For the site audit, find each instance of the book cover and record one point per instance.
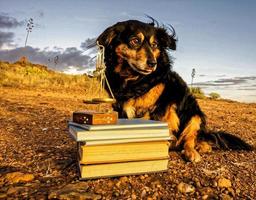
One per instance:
(123, 152)
(122, 168)
(123, 124)
(84, 135)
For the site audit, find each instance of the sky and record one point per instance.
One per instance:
(217, 38)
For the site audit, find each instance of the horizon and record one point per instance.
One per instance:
(217, 38)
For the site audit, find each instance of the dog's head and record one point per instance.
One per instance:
(136, 46)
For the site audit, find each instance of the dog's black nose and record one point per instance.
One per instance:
(151, 63)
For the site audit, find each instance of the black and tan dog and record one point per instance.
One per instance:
(141, 78)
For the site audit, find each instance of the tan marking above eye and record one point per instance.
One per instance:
(153, 42)
(141, 36)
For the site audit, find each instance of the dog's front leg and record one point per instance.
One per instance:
(144, 102)
(189, 137)
(129, 108)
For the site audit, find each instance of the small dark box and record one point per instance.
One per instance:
(94, 117)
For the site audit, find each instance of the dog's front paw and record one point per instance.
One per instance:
(130, 112)
(129, 108)
(192, 155)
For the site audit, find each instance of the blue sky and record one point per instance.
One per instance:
(217, 38)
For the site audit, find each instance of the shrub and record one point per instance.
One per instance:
(214, 95)
(197, 92)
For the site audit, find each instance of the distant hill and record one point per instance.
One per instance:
(23, 74)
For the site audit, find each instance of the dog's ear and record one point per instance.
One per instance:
(166, 39)
(109, 34)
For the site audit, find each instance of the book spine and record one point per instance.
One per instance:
(120, 169)
(82, 136)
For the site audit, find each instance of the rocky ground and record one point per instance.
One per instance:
(38, 158)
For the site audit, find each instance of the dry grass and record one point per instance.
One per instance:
(26, 75)
(30, 75)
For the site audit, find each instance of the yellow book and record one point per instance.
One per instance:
(134, 151)
(122, 168)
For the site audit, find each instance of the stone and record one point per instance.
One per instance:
(143, 193)
(122, 181)
(134, 197)
(226, 197)
(224, 183)
(16, 190)
(74, 191)
(17, 177)
(185, 188)
(3, 196)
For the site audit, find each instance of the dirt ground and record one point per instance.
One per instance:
(38, 158)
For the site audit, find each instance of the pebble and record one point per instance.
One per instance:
(122, 181)
(110, 184)
(226, 197)
(206, 191)
(197, 182)
(3, 196)
(146, 189)
(74, 191)
(143, 193)
(185, 188)
(224, 183)
(16, 177)
(134, 196)
(16, 190)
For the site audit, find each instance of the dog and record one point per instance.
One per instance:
(139, 71)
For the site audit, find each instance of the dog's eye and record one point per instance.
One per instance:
(154, 45)
(135, 42)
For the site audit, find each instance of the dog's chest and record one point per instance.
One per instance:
(143, 105)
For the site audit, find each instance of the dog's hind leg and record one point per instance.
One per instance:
(203, 147)
(188, 137)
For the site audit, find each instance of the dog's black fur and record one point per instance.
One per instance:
(146, 46)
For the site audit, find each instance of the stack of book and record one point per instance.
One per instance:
(127, 147)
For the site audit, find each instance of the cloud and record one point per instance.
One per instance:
(218, 75)
(9, 22)
(229, 81)
(6, 38)
(66, 58)
(88, 43)
(58, 58)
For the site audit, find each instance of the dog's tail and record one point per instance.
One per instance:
(226, 141)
